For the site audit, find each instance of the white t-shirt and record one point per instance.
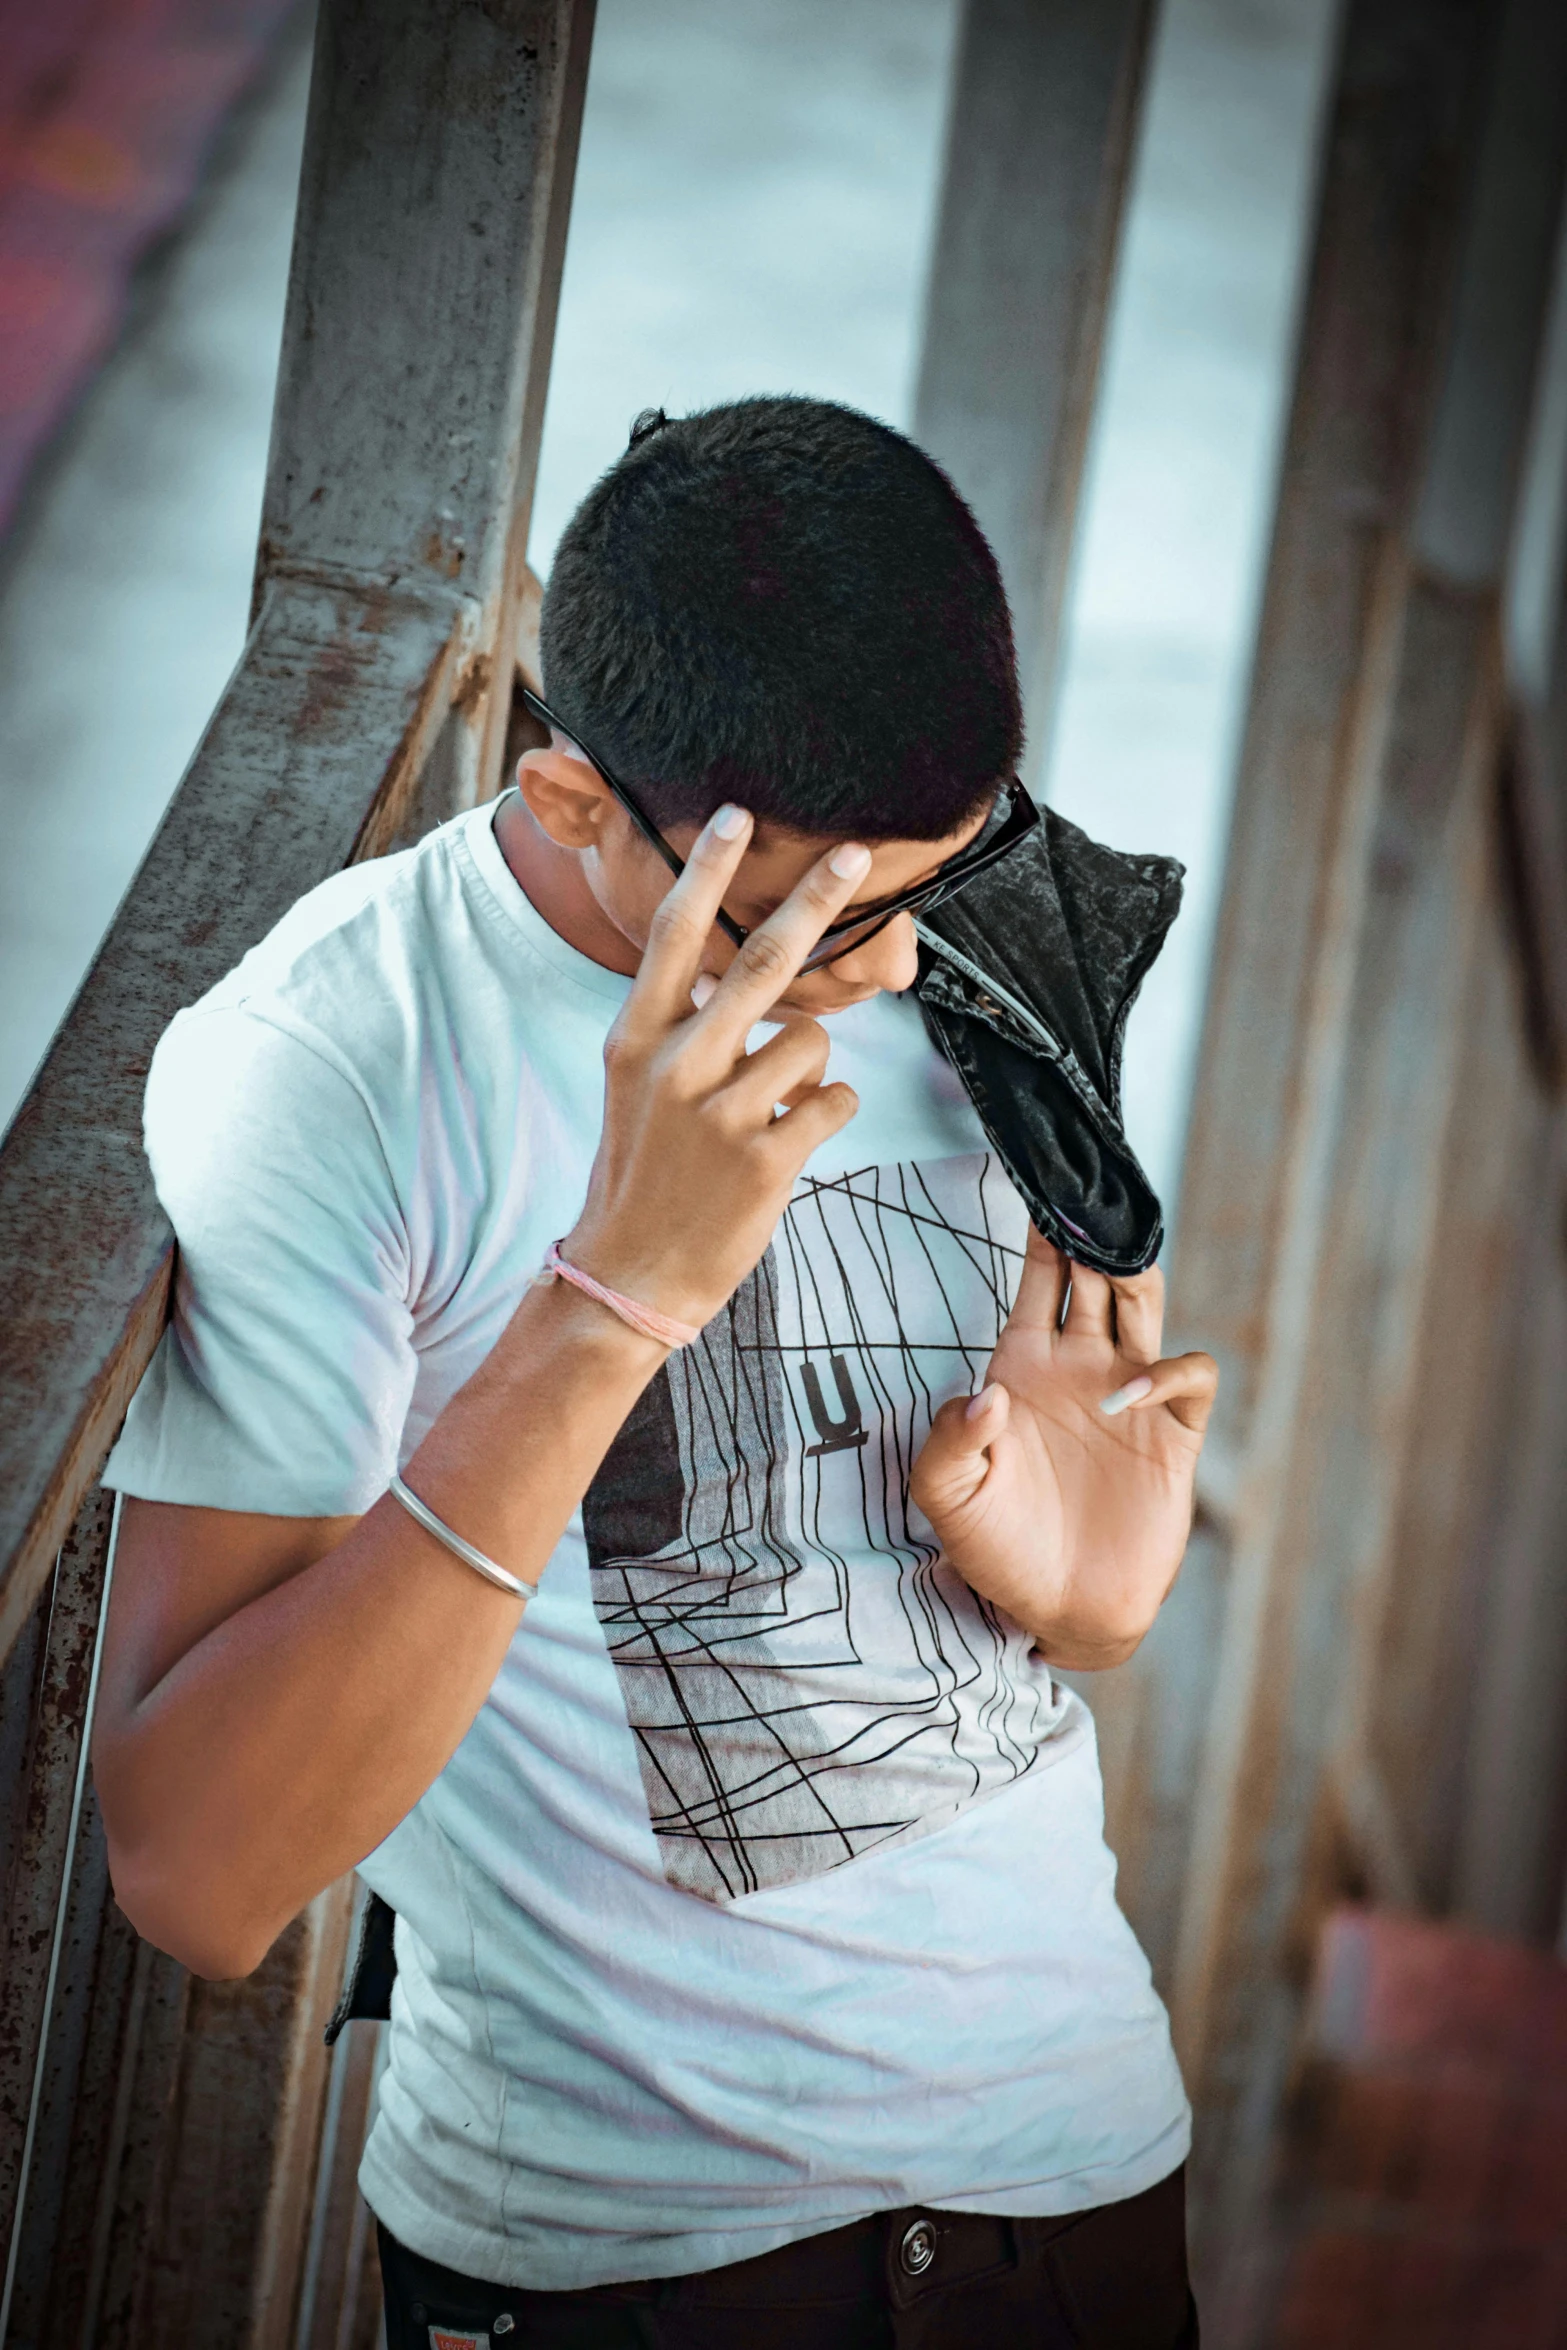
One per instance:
(768, 1888)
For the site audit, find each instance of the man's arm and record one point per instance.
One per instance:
(277, 1693)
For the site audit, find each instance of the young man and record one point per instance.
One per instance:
(759, 1976)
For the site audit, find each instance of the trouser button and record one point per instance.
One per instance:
(918, 2248)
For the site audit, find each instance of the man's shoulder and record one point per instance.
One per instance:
(358, 960)
(372, 916)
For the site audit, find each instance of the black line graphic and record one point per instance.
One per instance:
(802, 1677)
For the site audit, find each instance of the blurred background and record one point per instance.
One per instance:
(1243, 323)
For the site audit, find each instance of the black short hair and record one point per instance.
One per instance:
(785, 603)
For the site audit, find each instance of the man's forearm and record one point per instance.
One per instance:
(242, 1776)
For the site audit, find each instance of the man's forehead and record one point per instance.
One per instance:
(770, 839)
(775, 851)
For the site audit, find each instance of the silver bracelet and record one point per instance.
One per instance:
(424, 1516)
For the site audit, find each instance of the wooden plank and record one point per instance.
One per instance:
(1356, 895)
(330, 711)
(1039, 143)
(1290, 1715)
(1331, 622)
(1510, 1835)
(1479, 1339)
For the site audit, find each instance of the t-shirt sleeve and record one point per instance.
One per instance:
(283, 1380)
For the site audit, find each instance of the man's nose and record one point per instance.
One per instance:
(889, 960)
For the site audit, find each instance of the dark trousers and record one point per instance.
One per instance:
(1109, 2279)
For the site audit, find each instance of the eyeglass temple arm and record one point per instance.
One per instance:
(731, 929)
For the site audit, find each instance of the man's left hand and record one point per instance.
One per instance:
(1063, 1491)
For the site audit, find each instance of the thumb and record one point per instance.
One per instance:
(953, 1462)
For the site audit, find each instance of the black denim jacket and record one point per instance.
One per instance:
(1026, 979)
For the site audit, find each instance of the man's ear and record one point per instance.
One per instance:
(569, 799)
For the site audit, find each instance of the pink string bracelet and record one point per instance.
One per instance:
(662, 1328)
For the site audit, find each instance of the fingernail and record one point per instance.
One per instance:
(1132, 1392)
(851, 862)
(703, 988)
(729, 822)
(980, 1403)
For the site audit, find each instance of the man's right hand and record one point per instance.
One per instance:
(702, 1141)
(277, 1693)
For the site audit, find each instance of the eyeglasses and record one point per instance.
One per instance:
(1010, 821)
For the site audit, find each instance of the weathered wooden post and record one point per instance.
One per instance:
(1510, 1848)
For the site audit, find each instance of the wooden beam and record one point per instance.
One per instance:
(333, 2313)
(1327, 1089)
(1463, 1514)
(1039, 144)
(1508, 1810)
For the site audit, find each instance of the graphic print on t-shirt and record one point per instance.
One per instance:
(802, 1678)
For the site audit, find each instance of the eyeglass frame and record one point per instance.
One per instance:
(1022, 818)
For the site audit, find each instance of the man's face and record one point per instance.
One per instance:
(628, 880)
(775, 861)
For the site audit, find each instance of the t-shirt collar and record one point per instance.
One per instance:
(519, 909)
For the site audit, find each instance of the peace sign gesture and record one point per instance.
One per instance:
(1063, 1490)
(702, 1142)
